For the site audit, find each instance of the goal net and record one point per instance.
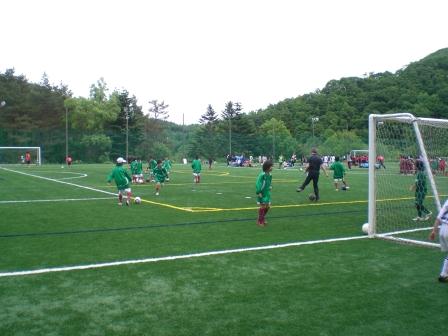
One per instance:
(402, 149)
(19, 155)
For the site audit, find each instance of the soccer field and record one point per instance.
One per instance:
(192, 261)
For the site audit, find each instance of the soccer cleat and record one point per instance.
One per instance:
(336, 189)
(417, 218)
(120, 204)
(157, 193)
(127, 202)
(443, 278)
(428, 216)
(299, 190)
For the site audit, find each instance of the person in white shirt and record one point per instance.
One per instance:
(442, 221)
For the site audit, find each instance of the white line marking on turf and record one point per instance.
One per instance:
(58, 181)
(178, 257)
(57, 200)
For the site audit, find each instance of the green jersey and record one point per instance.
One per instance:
(338, 170)
(196, 166)
(134, 167)
(121, 177)
(139, 167)
(167, 165)
(263, 187)
(152, 164)
(420, 184)
(160, 174)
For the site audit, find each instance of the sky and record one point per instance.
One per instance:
(192, 53)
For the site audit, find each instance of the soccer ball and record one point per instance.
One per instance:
(137, 200)
(365, 228)
(312, 197)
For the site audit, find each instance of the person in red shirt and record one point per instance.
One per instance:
(442, 166)
(380, 160)
(27, 158)
(68, 160)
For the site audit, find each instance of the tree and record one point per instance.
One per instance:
(205, 143)
(230, 112)
(276, 139)
(158, 110)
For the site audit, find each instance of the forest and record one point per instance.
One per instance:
(107, 124)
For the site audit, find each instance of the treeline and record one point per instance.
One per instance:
(333, 118)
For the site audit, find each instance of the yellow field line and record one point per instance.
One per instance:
(206, 209)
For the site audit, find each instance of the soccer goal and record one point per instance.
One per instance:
(405, 142)
(18, 155)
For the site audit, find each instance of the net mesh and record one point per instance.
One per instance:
(396, 199)
(17, 155)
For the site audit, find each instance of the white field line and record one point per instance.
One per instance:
(58, 200)
(59, 181)
(178, 257)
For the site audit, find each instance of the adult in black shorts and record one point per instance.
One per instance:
(315, 164)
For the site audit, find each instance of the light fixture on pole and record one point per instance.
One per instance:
(2, 103)
(126, 110)
(314, 120)
(66, 133)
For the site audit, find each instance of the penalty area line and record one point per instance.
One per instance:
(177, 257)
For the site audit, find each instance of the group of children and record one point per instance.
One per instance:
(263, 187)
(159, 172)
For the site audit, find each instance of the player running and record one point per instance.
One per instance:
(122, 179)
(160, 175)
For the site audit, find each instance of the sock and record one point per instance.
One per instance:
(120, 197)
(129, 197)
(265, 212)
(260, 215)
(444, 271)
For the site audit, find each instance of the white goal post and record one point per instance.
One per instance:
(395, 207)
(13, 154)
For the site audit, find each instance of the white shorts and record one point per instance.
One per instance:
(338, 180)
(196, 174)
(128, 190)
(443, 236)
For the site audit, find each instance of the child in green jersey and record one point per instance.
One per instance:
(160, 175)
(263, 188)
(197, 167)
(151, 165)
(338, 173)
(167, 165)
(122, 179)
(420, 192)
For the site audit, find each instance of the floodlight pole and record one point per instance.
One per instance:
(314, 120)
(230, 135)
(273, 142)
(126, 109)
(66, 133)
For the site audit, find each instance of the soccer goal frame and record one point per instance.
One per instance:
(414, 126)
(37, 149)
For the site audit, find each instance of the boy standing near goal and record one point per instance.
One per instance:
(442, 220)
(338, 173)
(122, 179)
(420, 192)
(263, 188)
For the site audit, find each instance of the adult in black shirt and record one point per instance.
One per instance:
(313, 169)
